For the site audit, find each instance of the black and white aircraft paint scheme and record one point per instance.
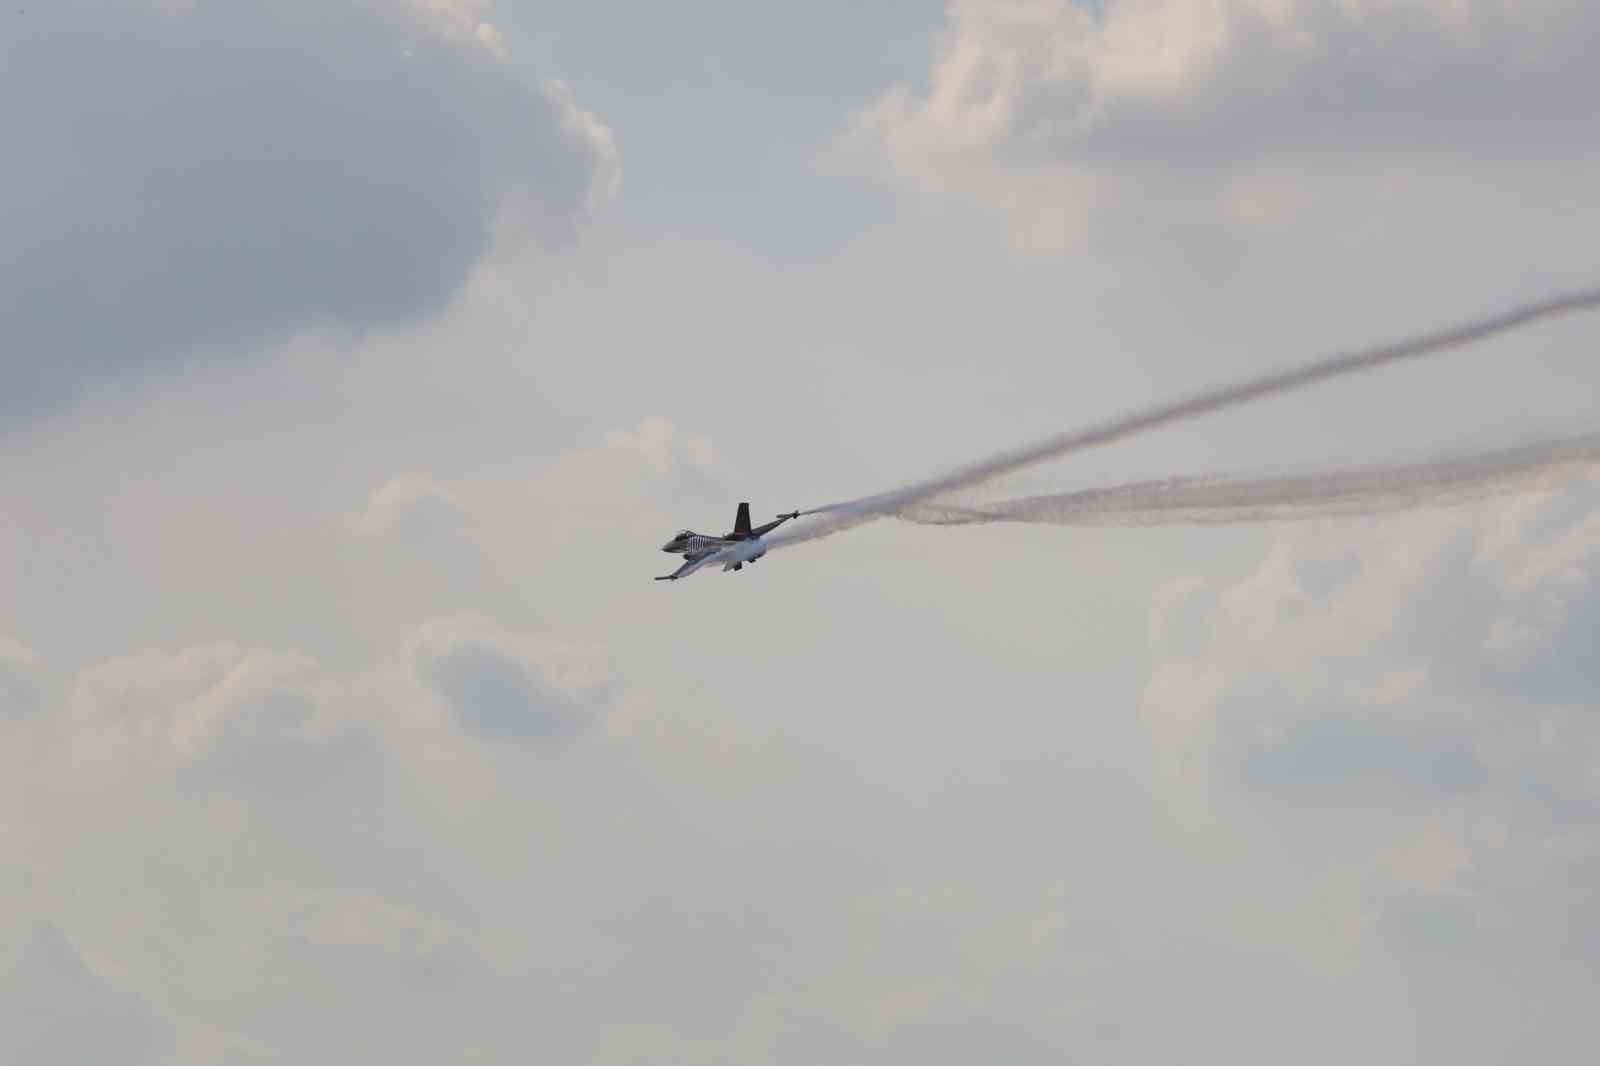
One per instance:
(743, 545)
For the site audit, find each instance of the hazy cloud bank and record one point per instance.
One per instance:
(1071, 119)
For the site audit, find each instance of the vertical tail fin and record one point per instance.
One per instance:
(741, 521)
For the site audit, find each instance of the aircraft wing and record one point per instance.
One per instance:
(691, 563)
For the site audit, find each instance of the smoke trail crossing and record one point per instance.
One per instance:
(1228, 498)
(838, 517)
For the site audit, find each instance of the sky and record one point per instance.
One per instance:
(360, 356)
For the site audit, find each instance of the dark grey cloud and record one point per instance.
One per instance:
(180, 185)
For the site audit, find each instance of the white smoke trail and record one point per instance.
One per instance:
(838, 517)
(1216, 499)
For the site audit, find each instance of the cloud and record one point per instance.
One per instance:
(654, 460)
(606, 482)
(19, 678)
(498, 686)
(1413, 701)
(385, 979)
(1055, 112)
(412, 508)
(210, 714)
(651, 458)
(634, 485)
(223, 718)
(54, 1010)
(373, 918)
(269, 804)
(196, 183)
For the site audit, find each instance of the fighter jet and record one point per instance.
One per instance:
(743, 545)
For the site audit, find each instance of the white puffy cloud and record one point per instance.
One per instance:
(460, 20)
(615, 481)
(655, 448)
(1057, 113)
(585, 128)
(194, 183)
(572, 519)
(411, 507)
(223, 715)
(1415, 704)
(649, 463)
(508, 542)
(209, 715)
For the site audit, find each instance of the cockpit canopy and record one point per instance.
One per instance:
(679, 543)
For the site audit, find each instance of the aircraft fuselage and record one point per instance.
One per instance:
(690, 543)
(745, 544)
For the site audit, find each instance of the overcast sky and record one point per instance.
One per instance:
(358, 356)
